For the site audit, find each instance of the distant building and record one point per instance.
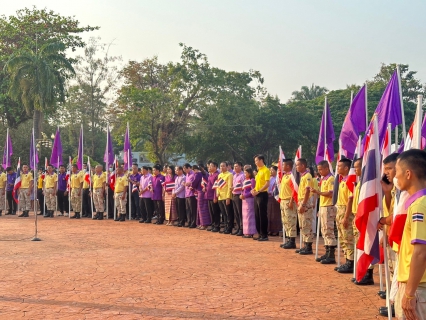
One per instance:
(141, 159)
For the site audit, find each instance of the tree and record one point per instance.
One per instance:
(37, 79)
(308, 93)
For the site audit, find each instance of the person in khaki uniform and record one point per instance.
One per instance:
(344, 217)
(305, 206)
(288, 206)
(120, 191)
(99, 181)
(327, 212)
(27, 183)
(49, 191)
(3, 180)
(76, 186)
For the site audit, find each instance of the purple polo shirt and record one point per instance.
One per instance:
(157, 187)
(180, 186)
(144, 183)
(62, 181)
(210, 192)
(194, 179)
(134, 178)
(237, 182)
(10, 181)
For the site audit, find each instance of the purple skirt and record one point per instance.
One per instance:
(203, 215)
(274, 216)
(249, 219)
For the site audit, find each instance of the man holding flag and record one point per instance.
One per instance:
(26, 187)
(76, 186)
(49, 191)
(288, 205)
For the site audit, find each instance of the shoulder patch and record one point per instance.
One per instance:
(418, 217)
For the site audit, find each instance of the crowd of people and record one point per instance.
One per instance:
(250, 203)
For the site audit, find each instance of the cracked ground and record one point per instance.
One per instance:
(84, 269)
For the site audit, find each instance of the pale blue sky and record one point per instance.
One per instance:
(292, 43)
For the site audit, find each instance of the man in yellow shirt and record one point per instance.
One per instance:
(260, 192)
(99, 181)
(25, 190)
(327, 212)
(224, 196)
(3, 179)
(344, 217)
(49, 191)
(120, 191)
(76, 185)
(288, 206)
(305, 202)
(40, 196)
(85, 195)
(410, 300)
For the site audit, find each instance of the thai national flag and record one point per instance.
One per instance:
(295, 177)
(351, 181)
(369, 206)
(247, 184)
(276, 191)
(170, 186)
(399, 218)
(238, 187)
(281, 158)
(221, 183)
(17, 182)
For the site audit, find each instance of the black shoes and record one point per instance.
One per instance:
(348, 267)
(325, 255)
(263, 239)
(367, 280)
(76, 216)
(24, 214)
(216, 229)
(383, 311)
(330, 259)
(307, 250)
(290, 244)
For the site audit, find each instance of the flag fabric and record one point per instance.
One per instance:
(247, 184)
(326, 137)
(354, 123)
(127, 152)
(109, 152)
(412, 135)
(56, 157)
(68, 174)
(295, 176)
(112, 176)
(80, 150)
(276, 191)
(389, 110)
(87, 175)
(238, 187)
(33, 153)
(281, 158)
(221, 183)
(399, 218)
(17, 185)
(8, 151)
(169, 186)
(370, 201)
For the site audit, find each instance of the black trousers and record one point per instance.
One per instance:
(110, 199)
(13, 206)
(86, 202)
(228, 214)
(260, 210)
(191, 209)
(40, 198)
(63, 203)
(181, 210)
(147, 208)
(214, 211)
(159, 209)
(237, 204)
(136, 210)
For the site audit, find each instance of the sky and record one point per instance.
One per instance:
(292, 43)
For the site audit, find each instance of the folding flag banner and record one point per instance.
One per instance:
(295, 176)
(221, 183)
(238, 187)
(8, 151)
(370, 201)
(109, 152)
(17, 185)
(170, 186)
(326, 137)
(56, 157)
(247, 184)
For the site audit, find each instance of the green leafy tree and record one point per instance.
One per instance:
(308, 93)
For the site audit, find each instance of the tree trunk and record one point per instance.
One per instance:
(37, 123)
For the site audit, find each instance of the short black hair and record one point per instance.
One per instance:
(415, 160)
(303, 161)
(61, 166)
(75, 166)
(145, 167)
(391, 158)
(9, 169)
(260, 157)
(288, 161)
(275, 168)
(346, 162)
(195, 167)
(187, 165)
(157, 167)
(358, 159)
(239, 163)
(323, 163)
(214, 164)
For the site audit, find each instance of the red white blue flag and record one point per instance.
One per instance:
(17, 182)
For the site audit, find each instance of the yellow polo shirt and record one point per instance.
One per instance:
(263, 175)
(305, 184)
(26, 178)
(82, 177)
(285, 189)
(76, 180)
(225, 192)
(3, 179)
(121, 184)
(50, 180)
(98, 180)
(327, 185)
(414, 233)
(40, 182)
(344, 194)
(356, 198)
(385, 209)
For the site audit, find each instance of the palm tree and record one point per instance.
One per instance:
(38, 80)
(308, 93)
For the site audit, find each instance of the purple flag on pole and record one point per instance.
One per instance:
(328, 140)
(7, 161)
(127, 152)
(354, 123)
(33, 153)
(109, 153)
(80, 151)
(389, 110)
(423, 133)
(56, 157)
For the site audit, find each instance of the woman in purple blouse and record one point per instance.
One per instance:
(249, 219)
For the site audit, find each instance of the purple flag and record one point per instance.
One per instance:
(56, 157)
(127, 152)
(354, 123)
(423, 133)
(389, 110)
(326, 138)
(109, 153)
(8, 151)
(33, 153)
(80, 150)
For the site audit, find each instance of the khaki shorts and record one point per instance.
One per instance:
(421, 302)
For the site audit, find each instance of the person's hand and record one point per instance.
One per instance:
(345, 222)
(65, 193)
(228, 202)
(28, 193)
(79, 193)
(290, 205)
(409, 307)
(314, 191)
(215, 200)
(242, 197)
(123, 197)
(254, 192)
(174, 195)
(302, 209)
(386, 187)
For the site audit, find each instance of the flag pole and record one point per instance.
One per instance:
(69, 191)
(401, 101)
(35, 189)
(82, 161)
(325, 128)
(419, 122)
(115, 181)
(90, 185)
(44, 193)
(128, 174)
(7, 164)
(107, 176)
(56, 197)
(366, 106)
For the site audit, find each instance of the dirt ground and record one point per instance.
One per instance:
(84, 269)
